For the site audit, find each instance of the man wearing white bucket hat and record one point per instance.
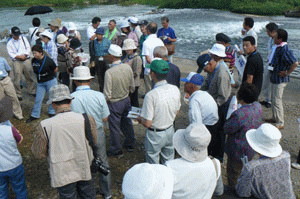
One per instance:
(269, 175)
(148, 181)
(118, 83)
(218, 85)
(195, 174)
(94, 104)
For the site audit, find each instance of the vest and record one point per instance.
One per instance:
(10, 157)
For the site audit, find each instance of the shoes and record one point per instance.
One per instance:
(51, 115)
(115, 153)
(33, 95)
(270, 120)
(134, 122)
(265, 103)
(280, 127)
(20, 98)
(296, 165)
(129, 148)
(31, 119)
(19, 118)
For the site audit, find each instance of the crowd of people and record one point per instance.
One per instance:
(73, 137)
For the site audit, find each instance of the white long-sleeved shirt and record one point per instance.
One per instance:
(18, 47)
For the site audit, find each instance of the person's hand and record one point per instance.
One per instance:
(283, 73)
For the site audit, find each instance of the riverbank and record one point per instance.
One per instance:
(257, 7)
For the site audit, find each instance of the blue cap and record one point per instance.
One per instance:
(100, 31)
(194, 78)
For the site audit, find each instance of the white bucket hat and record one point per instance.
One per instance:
(124, 24)
(58, 93)
(128, 44)
(133, 20)
(265, 140)
(218, 49)
(46, 33)
(81, 73)
(148, 181)
(191, 143)
(115, 50)
(61, 38)
(72, 26)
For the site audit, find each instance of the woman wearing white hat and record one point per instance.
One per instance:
(125, 28)
(64, 59)
(49, 45)
(269, 175)
(134, 60)
(73, 32)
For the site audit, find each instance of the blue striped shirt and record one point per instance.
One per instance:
(282, 60)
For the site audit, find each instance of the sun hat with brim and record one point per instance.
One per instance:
(15, 31)
(265, 140)
(194, 78)
(61, 38)
(191, 143)
(124, 24)
(55, 22)
(81, 73)
(46, 33)
(6, 109)
(100, 31)
(148, 181)
(218, 50)
(159, 66)
(72, 26)
(128, 44)
(58, 93)
(115, 50)
(133, 20)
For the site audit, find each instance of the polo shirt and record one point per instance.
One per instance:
(173, 76)
(194, 180)
(203, 109)
(254, 66)
(161, 105)
(91, 102)
(169, 32)
(149, 44)
(4, 68)
(282, 60)
(252, 33)
(101, 49)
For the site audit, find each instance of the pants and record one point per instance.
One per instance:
(23, 67)
(118, 122)
(101, 67)
(7, 88)
(159, 146)
(16, 177)
(134, 97)
(213, 147)
(80, 189)
(104, 181)
(298, 158)
(148, 83)
(64, 78)
(41, 90)
(276, 100)
(266, 88)
(234, 168)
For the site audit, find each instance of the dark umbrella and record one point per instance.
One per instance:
(38, 10)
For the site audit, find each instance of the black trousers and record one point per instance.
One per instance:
(134, 97)
(100, 68)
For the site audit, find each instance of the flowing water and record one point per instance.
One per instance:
(195, 28)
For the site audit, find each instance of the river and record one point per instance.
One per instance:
(195, 28)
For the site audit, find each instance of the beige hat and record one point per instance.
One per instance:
(191, 143)
(55, 22)
(148, 181)
(115, 50)
(6, 109)
(58, 93)
(128, 44)
(265, 140)
(81, 73)
(61, 38)
(218, 49)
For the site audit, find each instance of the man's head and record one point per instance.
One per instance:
(159, 69)
(16, 32)
(161, 52)
(112, 24)
(192, 82)
(271, 29)
(114, 53)
(143, 25)
(99, 33)
(248, 23)
(211, 66)
(96, 22)
(249, 45)
(281, 35)
(152, 28)
(133, 21)
(59, 95)
(165, 22)
(221, 38)
(36, 22)
(81, 75)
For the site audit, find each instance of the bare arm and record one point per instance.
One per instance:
(249, 79)
(286, 73)
(144, 122)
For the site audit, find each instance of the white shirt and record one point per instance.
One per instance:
(252, 33)
(149, 44)
(194, 180)
(161, 105)
(203, 108)
(32, 35)
(90, 31)
(18, 47)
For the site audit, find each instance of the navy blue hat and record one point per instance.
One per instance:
(202, 61)
(100, 31)
(194, 78)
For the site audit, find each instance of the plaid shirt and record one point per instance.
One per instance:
(282, 60)
(51, 49)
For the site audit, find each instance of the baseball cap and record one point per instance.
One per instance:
(194, 78)
(16, 31)
(159, 66)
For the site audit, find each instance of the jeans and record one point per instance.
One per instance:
(16, 177)
(80, 189)
(41, 90)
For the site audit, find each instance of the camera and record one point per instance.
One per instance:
(97, 165)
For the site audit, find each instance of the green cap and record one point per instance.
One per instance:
(159, 66)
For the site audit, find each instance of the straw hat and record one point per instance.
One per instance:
(81, 73)
(148, 181)
(6, 109)
(128, 44)
(191, 143)
(55, 22)
(194, 78)
(265, 140)
(115, 50)
(61, 38)
(46, 33)
(58, 93)
(218, 49)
